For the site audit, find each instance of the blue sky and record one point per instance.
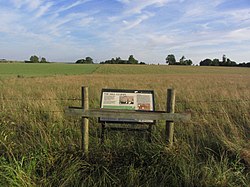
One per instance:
(67, 30)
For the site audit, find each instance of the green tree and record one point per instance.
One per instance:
(170, 59)
(188, 62)
(215, 62)
(224, 59)
(132, 60)
(206, 62)
(43, 60)
(87, 60)
(182, 60)
(34, 59)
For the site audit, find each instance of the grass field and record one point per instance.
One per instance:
(39, 145)
(53, 69)
(28, 70)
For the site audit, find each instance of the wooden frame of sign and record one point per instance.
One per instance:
(123, 99)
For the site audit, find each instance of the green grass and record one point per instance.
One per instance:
(24, 69)
(164, 69)
(32, 70)
(40, 145)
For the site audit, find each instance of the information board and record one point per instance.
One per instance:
(128, 100)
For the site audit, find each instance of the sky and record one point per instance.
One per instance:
(68, 30)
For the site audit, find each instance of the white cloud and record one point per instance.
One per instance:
(133, 8)
(156, 40)
(239, 35)
(72, 5)
(136, 7)
(136, 22)
(148, 29)
(44, 9)
(31, 4)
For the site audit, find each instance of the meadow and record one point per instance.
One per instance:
(51, 69)
(40, 145)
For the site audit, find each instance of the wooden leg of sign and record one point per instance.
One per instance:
(85, 122)
(170, 109)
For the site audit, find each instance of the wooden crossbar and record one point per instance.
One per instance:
(127, 114)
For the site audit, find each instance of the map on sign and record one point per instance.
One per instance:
(127, 100)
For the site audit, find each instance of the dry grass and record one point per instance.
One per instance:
(41, 147)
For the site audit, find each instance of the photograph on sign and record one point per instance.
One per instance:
(128, 100)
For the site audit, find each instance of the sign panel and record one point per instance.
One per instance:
(128, 100)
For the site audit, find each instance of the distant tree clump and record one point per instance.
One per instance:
(132, 60)
(170, 60)
(35, 59)
(87, 60)
(43, 60)
(118, 60)
(244, 64)
(216, 62)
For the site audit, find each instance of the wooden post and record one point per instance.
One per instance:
(170, 109)
(85, 122)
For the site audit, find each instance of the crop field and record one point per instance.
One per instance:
(21, 69)
(40, 145)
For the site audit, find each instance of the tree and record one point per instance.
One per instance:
(182, 60)
(132, 60)
(87, 60)
(118, 60)
(215, 62)
(43, 60)
(206, 62)
(34, 59)
(170, 59)
(224, 59)
(188, 62)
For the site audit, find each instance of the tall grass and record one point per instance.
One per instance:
(39, 145)
(51, 69)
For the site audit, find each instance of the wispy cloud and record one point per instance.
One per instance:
(71, 5)
(44, 9)
(131, 24)
(149, 29)
(31, 4)
(136, 7)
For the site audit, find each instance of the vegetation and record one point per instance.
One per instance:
(170, 60)
(47, 69)
(225, 62)
(39, 144)
(118, 60)
(35, 59)
(87, 60)
(244, 64)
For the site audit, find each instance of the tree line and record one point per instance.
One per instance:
(36, 59)
(224, 62)
(117, 60)
(170, 60)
